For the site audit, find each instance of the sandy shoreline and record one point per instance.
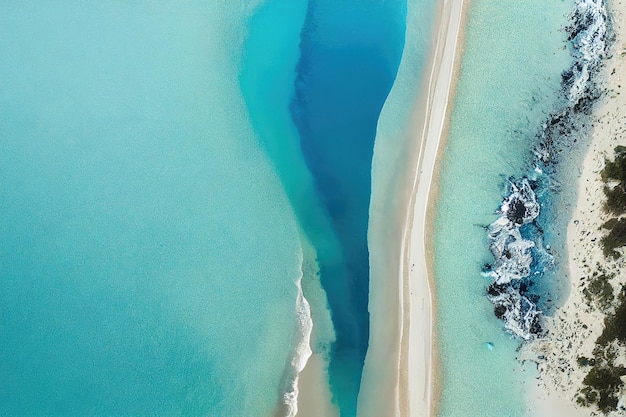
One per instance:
(577, 325)
(398, 376)
(418, 342)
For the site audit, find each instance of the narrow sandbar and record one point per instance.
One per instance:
(398, 373)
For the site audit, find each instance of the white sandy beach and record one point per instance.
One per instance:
(578, 323)
(398, 374)
(418, 288)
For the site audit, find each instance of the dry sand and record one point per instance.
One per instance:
(417, 337)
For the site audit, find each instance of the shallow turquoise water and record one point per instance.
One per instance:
(168, 172)
(143, 231)
(155, 197)
(513, 57)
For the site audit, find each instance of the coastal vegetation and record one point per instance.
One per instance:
(600, 291)
(616, 238)
(614, 175)
(603, 383)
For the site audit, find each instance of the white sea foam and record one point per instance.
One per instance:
(302, 351)
(590, 22)
(520, 315)
(511, 251)
(513, 259)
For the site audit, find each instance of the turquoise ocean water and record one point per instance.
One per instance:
(143, 232)
(510, 76)
(170, 174)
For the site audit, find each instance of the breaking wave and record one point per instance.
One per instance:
(516, 237)
(302, 351)
(511, 251)
(516, 244)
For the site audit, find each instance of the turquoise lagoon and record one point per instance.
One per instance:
(170, 174)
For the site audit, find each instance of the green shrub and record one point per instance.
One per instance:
(615, 200)
(584, 361)
(614, 326)
(615, 239)
(601, 291)
(588, 397)
(610, 224)
(602, 387)
(616, 171)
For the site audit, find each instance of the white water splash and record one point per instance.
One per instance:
(302, 351)
(513, 259)
(511, 251)
(589, 44)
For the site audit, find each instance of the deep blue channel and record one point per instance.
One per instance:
(350, 53)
